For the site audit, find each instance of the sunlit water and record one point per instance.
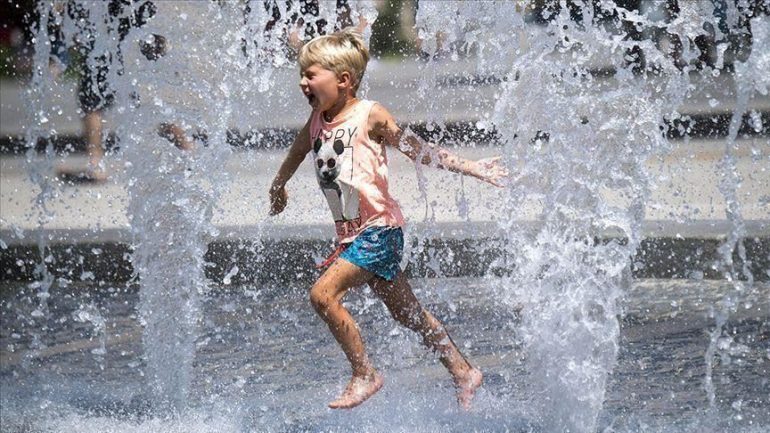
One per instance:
(265, 363)
(564, 337)
(569, 143)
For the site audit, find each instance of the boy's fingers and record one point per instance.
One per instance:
(498, 177)
(493, 162)
(278, 202)
(276, 210)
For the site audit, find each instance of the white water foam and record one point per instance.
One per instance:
(569, 138)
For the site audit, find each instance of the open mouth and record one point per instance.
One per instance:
(310, 98)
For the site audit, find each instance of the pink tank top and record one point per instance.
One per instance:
(352, 171)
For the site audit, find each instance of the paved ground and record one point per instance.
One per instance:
(268, 363)
(686, 202)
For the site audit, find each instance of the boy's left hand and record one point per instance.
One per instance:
(491, 170)
(278, 200)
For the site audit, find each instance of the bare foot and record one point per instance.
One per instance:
(467, 386)
(358, 390)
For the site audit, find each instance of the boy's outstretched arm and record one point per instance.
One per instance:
(299, 148)
(385, 129)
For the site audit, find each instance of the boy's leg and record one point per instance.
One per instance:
(326, 297)
(406, 309)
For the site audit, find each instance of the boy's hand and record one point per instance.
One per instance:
(491, 170)
(278, 200)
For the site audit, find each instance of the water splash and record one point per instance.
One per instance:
(167, 70)
(749, 79)
(39, 168)
(583, 106)
(89, 313)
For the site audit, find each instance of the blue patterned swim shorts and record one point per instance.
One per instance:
(377, 250)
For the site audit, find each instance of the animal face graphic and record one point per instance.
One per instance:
(327, 159)
(333, 155)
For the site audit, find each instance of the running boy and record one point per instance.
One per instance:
(348, 137)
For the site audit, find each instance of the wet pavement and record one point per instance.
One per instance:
(684, 196)
(73, 359)
(265, 362)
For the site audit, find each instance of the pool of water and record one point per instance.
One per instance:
(265, 363)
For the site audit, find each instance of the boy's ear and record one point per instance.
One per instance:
(345, 79)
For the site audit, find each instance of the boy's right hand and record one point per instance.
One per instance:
(278, 200)
(491, 170)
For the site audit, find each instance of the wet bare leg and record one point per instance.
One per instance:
(406, 309)
(326, 297)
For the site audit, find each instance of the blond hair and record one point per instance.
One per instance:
(342, 51)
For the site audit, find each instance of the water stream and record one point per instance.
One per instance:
(589, 92)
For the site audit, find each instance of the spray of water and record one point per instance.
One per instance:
(181, 65)
(750, 80)
(583, 106)
(586, 99)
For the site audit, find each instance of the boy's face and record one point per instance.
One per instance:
(320, 86)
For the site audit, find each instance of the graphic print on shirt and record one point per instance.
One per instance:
(333, 153)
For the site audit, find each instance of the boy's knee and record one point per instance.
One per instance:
(319, 299)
